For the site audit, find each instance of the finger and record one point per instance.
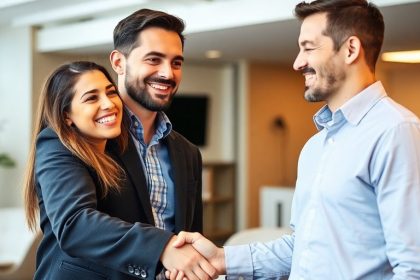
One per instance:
(208, 269)
(169, 274)
(174, 273)
(185, 237)
(179, 241)
(201, 274)
(191, 275)
(180, 275)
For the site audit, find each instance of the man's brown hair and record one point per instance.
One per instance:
(347, 18)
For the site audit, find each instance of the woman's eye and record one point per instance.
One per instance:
(91, 98)
(112, 93)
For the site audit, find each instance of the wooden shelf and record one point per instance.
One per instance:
(219, 201)
(220, 234)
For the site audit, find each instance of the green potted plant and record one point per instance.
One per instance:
(5, 159)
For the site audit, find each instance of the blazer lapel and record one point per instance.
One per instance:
(180, 182)
(134, 169)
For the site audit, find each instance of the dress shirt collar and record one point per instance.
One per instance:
(353, 110)
(163, 125)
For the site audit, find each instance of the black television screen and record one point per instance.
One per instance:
(188, 115)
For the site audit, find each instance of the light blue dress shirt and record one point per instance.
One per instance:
(356, 203)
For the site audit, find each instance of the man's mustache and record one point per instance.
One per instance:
(161, 81)
(308, 70)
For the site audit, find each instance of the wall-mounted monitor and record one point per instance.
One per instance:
(188, 115)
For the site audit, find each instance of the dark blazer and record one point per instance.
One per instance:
(87, 237)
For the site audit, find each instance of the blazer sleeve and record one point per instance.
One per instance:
(197, 222)
(69, 195)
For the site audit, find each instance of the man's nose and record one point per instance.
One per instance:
(300, 62)
(166, 71)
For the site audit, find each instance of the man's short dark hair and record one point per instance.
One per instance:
(127, 30)
(347, 18)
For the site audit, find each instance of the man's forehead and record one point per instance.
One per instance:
(312, 28)
(159, 40)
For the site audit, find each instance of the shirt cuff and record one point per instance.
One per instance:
(238, 261)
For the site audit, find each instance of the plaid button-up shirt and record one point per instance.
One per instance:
(157, 186)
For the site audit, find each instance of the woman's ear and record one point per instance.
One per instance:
(117, 60)
(68, 120)
(353, 49)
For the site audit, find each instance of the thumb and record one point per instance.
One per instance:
(185, 238)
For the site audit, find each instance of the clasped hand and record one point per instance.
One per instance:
(192, 256)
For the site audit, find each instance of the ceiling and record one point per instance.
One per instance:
(262, 30)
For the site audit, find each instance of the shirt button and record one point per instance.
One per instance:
(136, 124)
(130, 269)
(155, 178)
(143, 273)
(240, 278)
(137, 271)
(330, 140)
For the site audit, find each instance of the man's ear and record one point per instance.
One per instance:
(353, 49)
(117, 62)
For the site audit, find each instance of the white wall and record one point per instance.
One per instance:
(15, 109)
(216, 81)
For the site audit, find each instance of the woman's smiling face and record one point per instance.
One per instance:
(96, 108)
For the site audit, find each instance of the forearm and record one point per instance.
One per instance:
(260, 260)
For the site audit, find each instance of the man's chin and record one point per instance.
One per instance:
(158, 106)
(162, 97)
(313, 96)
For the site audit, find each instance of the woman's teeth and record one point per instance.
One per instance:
(107, 119)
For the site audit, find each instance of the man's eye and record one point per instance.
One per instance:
(153, 60)
(177, 64)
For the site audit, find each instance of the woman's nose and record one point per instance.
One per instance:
(107, 103)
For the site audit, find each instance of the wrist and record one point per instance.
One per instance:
(167, 248)
(220, 263)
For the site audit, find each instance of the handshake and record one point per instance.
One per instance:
(192, 256)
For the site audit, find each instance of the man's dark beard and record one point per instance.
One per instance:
(316, 96)
(319, 94)
(144, 99)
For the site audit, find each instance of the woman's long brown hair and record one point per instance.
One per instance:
(54, 103)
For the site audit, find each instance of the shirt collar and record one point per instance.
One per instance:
(354, 109)
(163, 125)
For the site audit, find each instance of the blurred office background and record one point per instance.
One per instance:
(239, 53)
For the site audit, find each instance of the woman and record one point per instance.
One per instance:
(77, 187)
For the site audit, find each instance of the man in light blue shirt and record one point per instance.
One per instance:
(358, 187)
